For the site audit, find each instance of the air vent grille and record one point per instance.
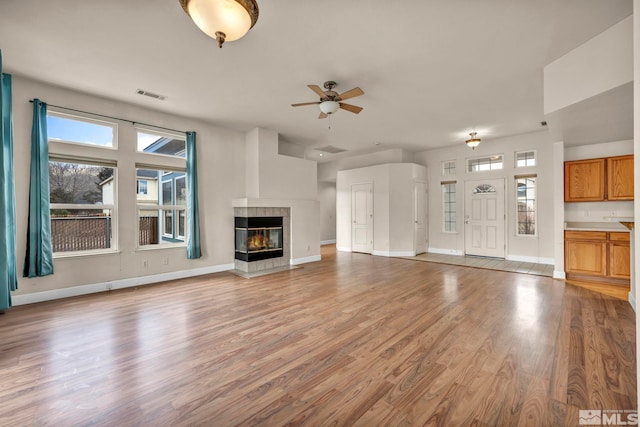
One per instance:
(331, 149)
(151, 94)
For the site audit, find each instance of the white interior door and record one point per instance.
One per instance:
(420, 216)
(484, 218)
(362, 218)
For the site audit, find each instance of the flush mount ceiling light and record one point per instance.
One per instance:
(474, 141)
(223, 20)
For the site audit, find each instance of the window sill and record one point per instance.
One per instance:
(161, 246)
(60, 255)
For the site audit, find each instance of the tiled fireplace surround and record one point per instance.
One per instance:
(267, 264)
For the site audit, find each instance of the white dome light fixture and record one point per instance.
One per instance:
(223, 20)
(474, 141)
(329, 107)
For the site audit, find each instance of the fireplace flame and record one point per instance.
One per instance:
(257, 242)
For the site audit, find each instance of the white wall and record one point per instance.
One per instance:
(601, 64)
(537, 249)
(221, 159)
(327, 198)
(393, 221)
(635, 262)
(275, 180)
(327, 171)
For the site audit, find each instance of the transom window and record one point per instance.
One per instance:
(62, 127)
(525, 158)
(449, 167)
(488, 163)
(161, 143)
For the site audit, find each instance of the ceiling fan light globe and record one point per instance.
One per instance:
(329, 107)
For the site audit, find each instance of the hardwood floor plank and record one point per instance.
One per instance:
(351, 340)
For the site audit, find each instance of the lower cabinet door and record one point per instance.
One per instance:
(583, 257)
(620, 260)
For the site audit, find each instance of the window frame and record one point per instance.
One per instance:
(161, 208)
(490, 158)
(535, 159)
(444, 185)
(446, 171)
(113, 208)
(535, 202)
(87, 118)
(146, 186)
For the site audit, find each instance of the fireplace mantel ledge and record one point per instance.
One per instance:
(267, 203)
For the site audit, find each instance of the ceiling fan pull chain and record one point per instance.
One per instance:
(329, 121)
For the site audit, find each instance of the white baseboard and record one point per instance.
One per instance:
(327, 242)
(559, 274)
(394, 253)
(298, 261)
(445, 251)
(74, 291)
(632, 301)
(533, 259)
(343, 249)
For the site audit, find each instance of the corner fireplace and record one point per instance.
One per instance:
(258, 238)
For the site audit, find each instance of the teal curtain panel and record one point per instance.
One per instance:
(39, 256)
(8, 276)
(193, 218)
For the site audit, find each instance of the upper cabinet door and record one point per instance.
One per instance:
(620, 178)
(584, 180)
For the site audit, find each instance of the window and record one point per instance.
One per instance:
(82, 199)
(152, 142)
(525, 158)
(66, 128)
(449, 206)
(526, 205)
(143, 187)
(449, 167)
(161, 215)
(480, 164)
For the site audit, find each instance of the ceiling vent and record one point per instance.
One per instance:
(331, 149)
(151, 94)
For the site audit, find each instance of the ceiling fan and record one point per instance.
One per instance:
(330, 101)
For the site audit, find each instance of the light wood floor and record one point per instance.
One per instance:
(351, 340)
(488, 263)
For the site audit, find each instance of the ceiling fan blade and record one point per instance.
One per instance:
(356, 91)
(317, 90)
(304, 103)
(353, 108)
(323, 115)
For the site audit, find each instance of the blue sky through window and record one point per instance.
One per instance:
(70, 130)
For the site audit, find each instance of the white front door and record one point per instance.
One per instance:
(362, 218)
(484, 218)
(419, 217)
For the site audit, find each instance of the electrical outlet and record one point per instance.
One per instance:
(145, 264)
(165, 260)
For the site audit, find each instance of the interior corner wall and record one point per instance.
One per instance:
(392, 185)
(327, 171)
(539, 248)
(221, 176)
(327, 198)
(279, 176)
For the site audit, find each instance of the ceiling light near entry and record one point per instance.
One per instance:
(474, 141)
(223, 20)
(329, 107)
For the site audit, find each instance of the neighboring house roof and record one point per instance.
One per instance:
(165, 145)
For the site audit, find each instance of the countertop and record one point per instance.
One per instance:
(594, 226)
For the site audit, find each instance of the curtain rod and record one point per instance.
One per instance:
(114, 118)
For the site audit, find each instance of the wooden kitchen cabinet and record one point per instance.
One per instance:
(619, 256)
(585, 252)
(584, 180)
(620, 178)
(598, 256)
